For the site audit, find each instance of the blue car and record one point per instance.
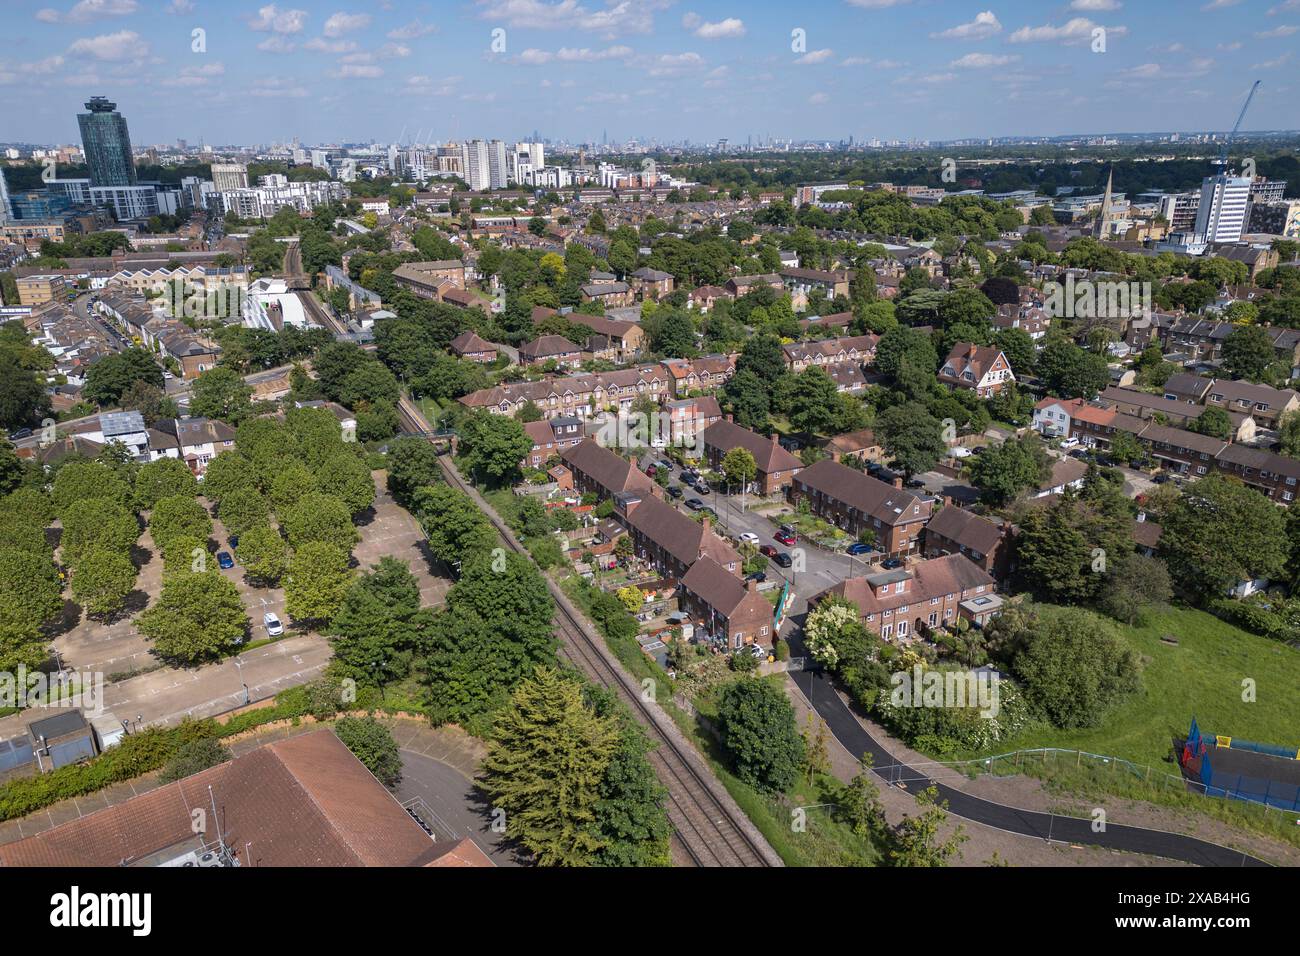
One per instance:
(857, 547)
(224, 560)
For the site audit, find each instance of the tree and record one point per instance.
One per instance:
(225, 473)
(97, 523)
(263, 553)
(548, 741)
(912, 437)
(150, 401)
(493, 446)
(30, 592)
(370, 383)
(348, 478)
(1134, 583)
(372, 743)
(1288, 427)
(859, 803)
(162, 479)
(114, 374)
(454, 526)
(288, 484)
(412, 464)
(1005, 470)
(758, 731)
(1072, 372)
(1213, 422)
(814, 402)
(916, 839)
(673, 334)
(179, 515)
(1073, 665)
(24, 399)
(198, 616)
(319, 517)
(1124, 446)
(380, 624)
(749, 400)
(739, 467)
(1219, 533)
(317, 581)
(79, 481)
(1018, 347)
(242, 509)
(905, 346)
(1247, 352)
(221, 393)
(101, 581)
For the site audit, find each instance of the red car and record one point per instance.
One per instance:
(784, 537)
(768, 551)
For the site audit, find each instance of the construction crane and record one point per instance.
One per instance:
(1223, 154)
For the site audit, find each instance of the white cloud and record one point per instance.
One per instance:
(357, 70)
(855, 61)
(817, 99)
(981, 61)
(275, 87)
(277, 44)
(196, 75)
(1096, 5)
(1077, 30)
(671, 64)
(321, 45)
(271, 17)
(341, 23)
(625, 16)
(1220, 4)
(123, 45)
(412, 31)
(983, 26)
(815, 56)
(1229, 47)
(1283, 6)
(535, 57)
(1283, 31)
(181, 6)
(1274, 63)
(392, 51)
(723, 29)
(88, 10)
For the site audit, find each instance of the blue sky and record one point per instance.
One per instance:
(356, 70)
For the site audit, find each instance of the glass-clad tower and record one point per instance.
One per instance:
(107, 144)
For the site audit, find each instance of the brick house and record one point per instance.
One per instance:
(611, 295)
(551, 436)
(776, 467)
(928, 595)
(856, 502)
(990, 544)
(651, 284)
(474, 348)
(981, 368)
(548, 348)
(703, 298)
(854, 350)
(726, 607)
(671, 542)
(597, 469)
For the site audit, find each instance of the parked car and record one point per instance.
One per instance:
(914, 482)
(783, 559)
(712, 515)
(690, 475)
(1070, 442)
(21, 433)
(757, 650)
(233, 541)
(890, 563)
(858, 547)
(703, 488)
(225, 561)
(759, 576)
(1161, 477)
(273, 626)
(768, 550)
(785, 537)
(675, 491)
(695, 504)
(748, 537)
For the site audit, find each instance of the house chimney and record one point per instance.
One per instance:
(898, 482)
(704, 523)
(947, 501)
(752, 586)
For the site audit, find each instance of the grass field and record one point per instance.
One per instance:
(1203, 677)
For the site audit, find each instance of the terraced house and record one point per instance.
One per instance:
(580, 396)
(900, 604)
(776, 467)
(598, 470)
(670, 541)
(856, 502)
(854, 350)
(726, 608)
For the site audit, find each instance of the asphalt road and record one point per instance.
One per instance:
(1173, 846)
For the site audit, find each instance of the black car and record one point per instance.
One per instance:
(783, 559)
(759, 576)
(914, 483)
(21, 433)
(1161, 478)
(675, 491)
(695, 504)
(703, 487)
(890, 563)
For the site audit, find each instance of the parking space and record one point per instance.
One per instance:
(392, 531)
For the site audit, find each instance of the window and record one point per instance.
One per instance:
(886, 630)
(933, 619)
(902, 628)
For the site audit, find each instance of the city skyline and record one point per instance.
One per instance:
(381, 71)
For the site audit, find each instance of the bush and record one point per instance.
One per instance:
(374, 746)
(782, 649)
(193, 757)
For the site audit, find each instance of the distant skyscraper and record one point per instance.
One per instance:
(107, 144)
(483, 164)
(5, 212)
(229, 176)
(1221, 216)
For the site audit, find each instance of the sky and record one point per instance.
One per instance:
(249, 72)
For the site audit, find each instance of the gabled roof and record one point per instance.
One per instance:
(768, 454)
(937, 577)
(470, 342)
(978, 359)
(548, 345)
(966, 529)
(305, 801)
(685, 539)
(871, 496)
(719, 588)
(611, 472)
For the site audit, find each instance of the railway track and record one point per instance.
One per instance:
(711, 830)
